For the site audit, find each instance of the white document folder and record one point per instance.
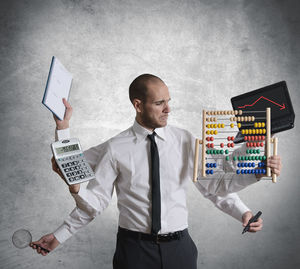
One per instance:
(58, 87)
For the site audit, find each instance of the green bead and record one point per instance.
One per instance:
(258, 151)
(227, 158)
(253, 158)
(239, 158)
(214, 151)
(254, 151)
(264, 158)
(246, 158)
(256, 158)
(222, 151)
(242, 158)
(226, 151)
(260, 157)
(250, 151)
(234, 158)
(208, 151)
(247, 151)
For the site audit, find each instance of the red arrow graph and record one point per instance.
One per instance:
(262, 97)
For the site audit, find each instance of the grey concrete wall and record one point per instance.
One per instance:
(206, 51)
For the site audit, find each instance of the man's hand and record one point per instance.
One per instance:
(274, 162)
(254, 226)
(72, 188)
(64, 124)
(48, 242)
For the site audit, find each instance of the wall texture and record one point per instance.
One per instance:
(206, 51)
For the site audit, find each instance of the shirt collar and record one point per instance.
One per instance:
(141, 132)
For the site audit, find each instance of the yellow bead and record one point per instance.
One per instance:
(223, 125)
(259, 124)
(260, 131)
(239, 125)
(215, 132)
(215, 125)
(231, 125)
(264, 131)
(246, 131)
(263, 124)
(208, 132)
(219, 125)
(255, 124)
(257, 131)
(250, 131)
(243, 131)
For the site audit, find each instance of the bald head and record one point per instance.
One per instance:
(138, 87)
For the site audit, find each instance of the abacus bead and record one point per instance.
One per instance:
(261, 144)
(252, 171)
(239, 125)
(252, 118)
(234, 158)
(247, 151)
(215, 132)
(259, 124)
(228, 145)
(264, 158)
(219, 125)
(253, 164)
(238, 171)
(228, 138)
(222, 145)
(232, 138)
(226, 151)
(242, 171)
(263, 124)
(227, 158)
(211, 138)
(215, 165)
(255, 125)
(239, 158)
(242, 158)
(240, 112)
(207, 171)
(221, 151)
(223, 125)
(207, 165)
(243, 131)
(208, 151)
(231, 125)
(258, 151)
(263, 171)
(238, 118)
(207, 138)
(236, 112)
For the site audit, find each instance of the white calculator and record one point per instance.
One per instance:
(71, 161)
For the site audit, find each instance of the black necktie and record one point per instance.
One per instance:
(155, 186)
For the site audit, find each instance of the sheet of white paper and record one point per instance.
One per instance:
(57, 88)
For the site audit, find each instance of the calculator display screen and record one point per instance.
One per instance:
(65, 149)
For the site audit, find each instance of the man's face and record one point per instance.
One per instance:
(155, 110)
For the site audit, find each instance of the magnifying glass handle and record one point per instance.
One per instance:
(46, 250)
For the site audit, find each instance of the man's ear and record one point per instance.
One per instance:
(137, 103)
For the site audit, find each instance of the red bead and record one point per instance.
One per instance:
(228, 138)
(211, 139)
(259, 137)
(247, 144)
(228, 145)
(212, 145)
(261, 144)
(207, 138)
(263, 137)
(232, 145)
(222, 145)
(254, 144)
(246, 138)
(256, 138)
(251, 144)
(232, 138)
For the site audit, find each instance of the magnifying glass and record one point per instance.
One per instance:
(22, 238)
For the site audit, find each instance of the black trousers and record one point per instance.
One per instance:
(135, 253)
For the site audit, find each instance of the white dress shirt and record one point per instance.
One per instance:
(123, 163)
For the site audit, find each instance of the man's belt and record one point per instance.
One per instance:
(152, 237)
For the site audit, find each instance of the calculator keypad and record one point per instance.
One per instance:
(75, 167)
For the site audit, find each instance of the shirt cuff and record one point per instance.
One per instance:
(239, 210)
(62, 134)
(62, 234)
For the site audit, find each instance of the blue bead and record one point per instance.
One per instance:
(252, 171)
(215, 165)
(207, 165)
(207, 171)
(249, 164)
(256, 171)
(211, 171)
(253, 164)
(263, 171)
(242, 171)
(238, 171)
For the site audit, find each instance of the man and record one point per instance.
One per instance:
(149, 165)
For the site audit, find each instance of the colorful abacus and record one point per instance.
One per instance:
(216, 142)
